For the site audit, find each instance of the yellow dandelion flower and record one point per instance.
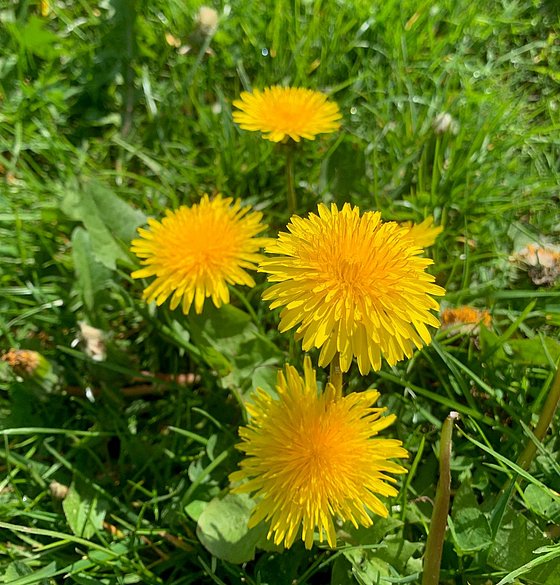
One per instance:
(195, 252)
(465, 319)
(424, 234)
(311, 456)
(279, 112)
(352, 285)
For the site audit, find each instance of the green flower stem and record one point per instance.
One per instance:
(290, 180)
(438, 524)
(335, 373)
(545, 418)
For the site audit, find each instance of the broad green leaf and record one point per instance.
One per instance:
(540, 502)
(265, 377)
(391, 555)
(216, 360)
(114, 550)
(514, 546)
(282, 569)
(469, 526)
(195, 508)
(15, 570)
(231, 344)
(536, 351)
(19, 574)
(222, 528)
(120, 218)
(373, 534)
(547, 555)
(400, 553)
(83, 509)
(367, 565)
(92, 276)
(110, 222)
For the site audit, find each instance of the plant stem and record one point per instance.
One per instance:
(291, 194)
(438, 523)
(335, 373)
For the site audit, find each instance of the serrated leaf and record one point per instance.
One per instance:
(92, 276)
(222, 528)
(111, 223)
(121, 219)
(83, 509)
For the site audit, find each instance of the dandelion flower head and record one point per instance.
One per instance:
(353, 285)
(312, 456)
(196, 252)
(280, 112)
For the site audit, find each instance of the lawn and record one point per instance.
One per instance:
(135, 445)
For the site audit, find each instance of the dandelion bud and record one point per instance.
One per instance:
(26, 363)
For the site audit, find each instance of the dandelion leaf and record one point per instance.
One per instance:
(83, 509)
(542, 503)
(18, 572)
(231, 344)
(470, 528)
(515, 545)
(92, 275)
(538, 351)
(110, 221)
(222, 529)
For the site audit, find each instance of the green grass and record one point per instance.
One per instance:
(103, 123)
